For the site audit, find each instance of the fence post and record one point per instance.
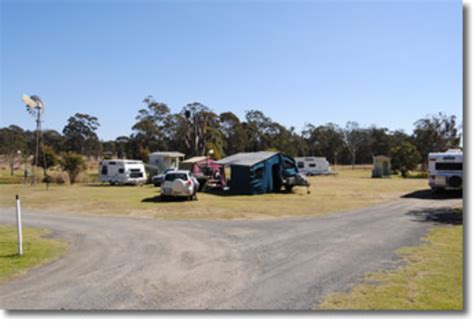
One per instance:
(18, 224)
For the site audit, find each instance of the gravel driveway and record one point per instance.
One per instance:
(284, 264)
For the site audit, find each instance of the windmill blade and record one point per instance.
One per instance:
(28, 101)
(39, 103)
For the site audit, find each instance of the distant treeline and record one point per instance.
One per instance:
(197, 129)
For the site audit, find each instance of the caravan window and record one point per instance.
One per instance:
(103, 171)
(312, 165)
(112, 163)
(448, 166)
(300, 164)
(121, 170)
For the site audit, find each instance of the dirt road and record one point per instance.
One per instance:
(127, 263)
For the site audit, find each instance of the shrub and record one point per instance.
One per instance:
(47, 158)
(405, 158)
(73, 164)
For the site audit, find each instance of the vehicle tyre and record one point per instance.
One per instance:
(194, 197)
(289, 188)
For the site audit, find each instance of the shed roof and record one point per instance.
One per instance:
(169, 154)
(195, 159)
(246, 159)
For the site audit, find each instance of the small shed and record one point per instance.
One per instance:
(382, 166)
(256, 173)
(160, 161)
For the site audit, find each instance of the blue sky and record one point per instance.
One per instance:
(374, 62)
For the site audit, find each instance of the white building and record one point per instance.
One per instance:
(161, 161)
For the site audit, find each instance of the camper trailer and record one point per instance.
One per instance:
(122, 171)
(311, 165)
(445, 170)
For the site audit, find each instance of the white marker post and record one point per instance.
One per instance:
(18, 223)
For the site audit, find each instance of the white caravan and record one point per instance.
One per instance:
(311, 165)
(445, 170)
(122, 171)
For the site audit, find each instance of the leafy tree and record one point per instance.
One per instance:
(80, 134)
(47, 158)
(258, 129)
(121, 146)
(435, 133)
(325, 140)
(12, 144)
(150, 126)
(200, 126)
(354, 138)
(234, 135)
(405, 158)
(73, 164)
(53, 139)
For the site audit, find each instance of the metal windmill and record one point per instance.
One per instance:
(35, 106)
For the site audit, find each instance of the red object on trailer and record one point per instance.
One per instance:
(206, 170)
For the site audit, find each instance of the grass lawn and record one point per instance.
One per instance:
(431, 280)
(36, 250)
(350, 189)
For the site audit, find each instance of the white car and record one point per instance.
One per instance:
(179, 184)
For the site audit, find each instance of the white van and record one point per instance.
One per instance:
(311, 165)
(122, 171)
(445, 170)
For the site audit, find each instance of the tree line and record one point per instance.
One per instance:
(197, 129)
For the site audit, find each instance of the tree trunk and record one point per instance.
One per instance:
(353, 158)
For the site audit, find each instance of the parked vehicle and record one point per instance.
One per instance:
(445, 170)
(157, 180)
(122, 171)
(311, 165)
(179, 184)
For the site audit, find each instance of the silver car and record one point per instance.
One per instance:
(179, 184)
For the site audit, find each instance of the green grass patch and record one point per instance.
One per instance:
(37, 250)
(431, 279)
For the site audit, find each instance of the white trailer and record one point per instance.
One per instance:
(122, 171)
(311, 165)
(445, 170)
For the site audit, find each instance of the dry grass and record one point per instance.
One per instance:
(350, 189)
(431, 280)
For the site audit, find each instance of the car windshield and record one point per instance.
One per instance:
(173, 176)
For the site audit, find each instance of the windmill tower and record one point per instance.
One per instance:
(35, 106)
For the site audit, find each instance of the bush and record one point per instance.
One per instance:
(73, 164)
(405, 158)
(50, 158)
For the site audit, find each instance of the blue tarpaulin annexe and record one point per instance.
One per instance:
(256, 173)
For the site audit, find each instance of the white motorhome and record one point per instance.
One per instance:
(311, 165)
(445, 170)
(122, 171)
